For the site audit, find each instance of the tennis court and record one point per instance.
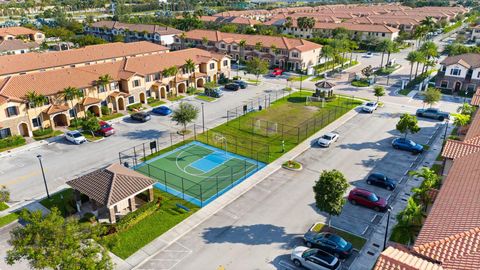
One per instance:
(198, 172)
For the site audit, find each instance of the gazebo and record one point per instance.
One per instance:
(324, 89)
(112, 192)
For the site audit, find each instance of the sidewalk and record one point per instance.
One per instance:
(175, 233)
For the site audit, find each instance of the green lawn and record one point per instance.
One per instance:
(45, 134)
(8, 219)
(64, 205)
(253, 81)
(129, 241)
(357, 241)
(155, 102)
(317, 78)
(298, 78)
(405, 91)
(360, 83)
(289, 119)
(91, 138)
(11, 142)
(111, 116)
(3, 206)
(387, 70)
(173, 98)
(206, 98)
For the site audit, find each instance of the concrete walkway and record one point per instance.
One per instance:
(206, 212)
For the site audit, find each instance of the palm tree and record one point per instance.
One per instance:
(419, 33)
(412, 58)
(36, 100)
(189, 67)
(410, 220)
(258, 46)
(329, 53)
(430, 180)
(242, 45)
(383, 47)
(288, 22)
(430, 50)
(169, 72)
(428, 23)
(392, 48)
(71, 93)
(420, 58)
(182, 37)
(205, 41)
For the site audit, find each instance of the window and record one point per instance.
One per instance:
(212, 65)
(455, 71)
(104, 103)
(114, 85)
(72, 112)
(101, 88)
(156, 76)
(478, 74)
(444, 68)
(225, 63)
(136, 83)
(471, 87)
(235, 48)
(12, 111)
(222, 46)
(294, 54)
(147, 78)
(148, 93)
(383, 34)
(131, 100)
(5, 133)
(36, 122)
(444, 84)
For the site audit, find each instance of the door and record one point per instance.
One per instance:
(458, 85)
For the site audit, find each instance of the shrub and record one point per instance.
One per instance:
(191, 90)
(88, 217)
(42, 132)
(135, 217)
(12, 141)
(360, 83)
(105, 110)
(136, 106)
(76, 123)
(237, 78)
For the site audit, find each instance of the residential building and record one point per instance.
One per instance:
(475, 36)
(287, 53)
(459, 73)
(133, 32)
(229, 20)
(132, 80)
(89, 55)
(405, 23)
(450, 236)
(18, 32)
(17, 46)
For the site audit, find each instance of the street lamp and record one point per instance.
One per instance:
(465, 97)
(238, 66)
(203, 119)
(43, 173)
(389, 210)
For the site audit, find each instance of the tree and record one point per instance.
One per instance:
(379, 91)
(382, 47)
(329, 190)
(412, 58)
(367, 71)
(189, 67)
(182, 37)
(71, 93)
(430, 181)
(410, 220)
(4, 194)
(35, 100)
(242, 45)
(461, 119)
(428, 23)
(408, 124)
(185, 114)
(57, 243)
(90, 123)
(328, 53)
(431, 96)
(305, 22)
(288, 22)
(257, 67)
(104, 80)
(205, 41)
(258, 46)
(466, 109)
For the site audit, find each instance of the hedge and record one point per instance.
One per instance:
(136, 216)
(12, 141)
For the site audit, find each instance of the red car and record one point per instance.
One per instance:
(105, 129)
(276, 72)
(368, 199)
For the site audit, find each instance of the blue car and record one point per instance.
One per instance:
(407, 145)
(329, 242)
(162, 110)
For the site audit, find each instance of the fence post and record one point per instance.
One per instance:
(183, 190)
(144, 155)
(207, 135)
(217, 184)
(165, 179)
(231, 176)
(148, 168)
(201, 197)
(306, 131)
(298, 135)
(194, 132)
(228, 118)
(236, 145)
(266, 130)
(245, 169)
(134, 156)
(171, 140)
(120, 157)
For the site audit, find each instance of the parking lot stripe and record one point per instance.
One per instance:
(287, 265)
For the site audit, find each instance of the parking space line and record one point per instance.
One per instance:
(287, 265)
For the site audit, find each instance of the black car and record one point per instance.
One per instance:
(378, 179)
(232, 86)
(240, 83)
(329, 242)
(140, 116)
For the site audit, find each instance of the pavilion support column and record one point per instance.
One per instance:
(78, 200)
(94, 207)
(150, 194)
(111, 212)
(131, 203)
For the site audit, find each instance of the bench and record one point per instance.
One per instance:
(183, 207)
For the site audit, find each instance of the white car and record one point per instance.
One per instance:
(314, 259)
(327, 139)
(369, 54)
(75, 137)
(370, 106)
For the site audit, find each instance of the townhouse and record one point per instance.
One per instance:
(130, 80)
(229, 20)
(459, 73)
(16, 46)
(450, 236)
(89, 55)
(133, 32)
(475, 35)
(18, 32)
(287, 53)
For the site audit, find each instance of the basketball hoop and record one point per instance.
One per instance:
(218, 138)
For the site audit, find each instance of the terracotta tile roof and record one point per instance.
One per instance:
(267, 41)
(395, 259)
(476, 98)
(111, 185)
(150, 28)
(468, 60)
(48, 82)
(358, 27)
(52, 109)
(90, 100)
(118, 94)
(474, 129)
(230, 19)
(454, 149)
(36, 61)
(17, 44)
(17, 31)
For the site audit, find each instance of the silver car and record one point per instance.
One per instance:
(314, 259)
(327, 139)
(370, 106)
(75, 137)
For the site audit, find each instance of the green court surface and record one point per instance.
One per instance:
(198, 172)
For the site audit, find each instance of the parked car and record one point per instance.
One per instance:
(379, 179)
(327, 139)
(162, 110)
(232, 86)
(407, 145)
(370, 107)
(75, 137)
(314, 259)
(433, 113)
(241, 83)
(369, 54)
(276, 72)
(141, 116)
(328, 242)
(368, 199)
(214, 92)
(105, 129)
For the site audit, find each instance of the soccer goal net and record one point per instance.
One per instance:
(315, 101)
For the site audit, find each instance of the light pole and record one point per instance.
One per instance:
(203, 119)
(465, 97)
(238, 67)
(389, 210)
(43, 173)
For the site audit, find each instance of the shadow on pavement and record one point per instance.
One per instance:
(150, 134)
